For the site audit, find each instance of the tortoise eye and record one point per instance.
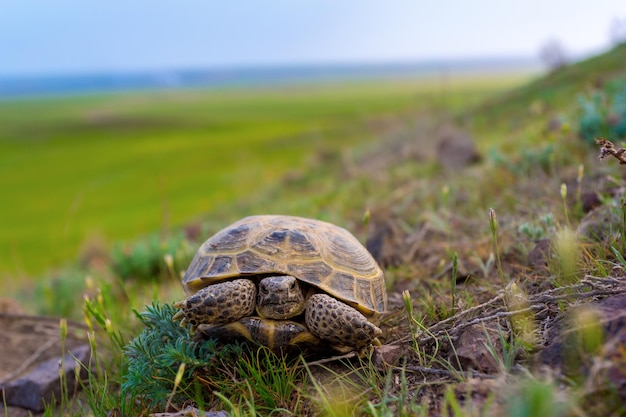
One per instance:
(293, 285)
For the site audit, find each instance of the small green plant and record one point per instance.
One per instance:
(64, 392)
(455, 267)
(622, 237)
(415, 324)
(486, 265)
(531, 231)
(392, 403)
(61, 294)
(267, 379)
(568, 254)
(337, 394)
(147, 259)
(154, 359)
(511, 348)
(564, 199)
(603, 112)
(543, 227)
(493, 226)
(103, 368)
(579, 189)
(619, 257)
(591, 122)
(526, 160)
(535, 398)
(453, 406)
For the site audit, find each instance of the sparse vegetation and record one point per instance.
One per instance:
(152, 258)
(603, 112)
(527, 286)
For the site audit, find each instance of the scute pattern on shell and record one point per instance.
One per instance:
(316, 252)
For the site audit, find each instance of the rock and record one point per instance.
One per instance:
(600, 224)
(18, 412)
(588, 343)
(385, 243)
(10, 306)
(587, 346)
(472, 349)
(613, 119)
(43, 385)
(590, 200)
(554, 124)
(193, 232)
(387, 355)
(456, 149)
(26, 343)
(608, 368)
(538, 257)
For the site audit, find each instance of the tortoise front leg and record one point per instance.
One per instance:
(220, 303)
(338, 323)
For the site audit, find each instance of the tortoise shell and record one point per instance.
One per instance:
(315, 252)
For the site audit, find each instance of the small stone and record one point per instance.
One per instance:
(472, 349)
(555, 124)
(539, 256)
(42, 385)
(590, 200)
(600, 224)
(456, 148)
(385, 243)
(10, 306)
(569, 336)
(387, 355)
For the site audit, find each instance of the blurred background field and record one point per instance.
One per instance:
(108, 167)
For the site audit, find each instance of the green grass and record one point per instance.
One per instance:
(458, 263)
(115, 167)
(552, 96)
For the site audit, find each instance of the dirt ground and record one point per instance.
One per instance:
(28, 341)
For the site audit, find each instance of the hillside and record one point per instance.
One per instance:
(505, 275)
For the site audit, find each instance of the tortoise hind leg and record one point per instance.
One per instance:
(219, 303)
(338, 323)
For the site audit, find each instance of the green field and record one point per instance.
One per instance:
(115, 167)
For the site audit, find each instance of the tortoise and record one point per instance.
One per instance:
(284, 281)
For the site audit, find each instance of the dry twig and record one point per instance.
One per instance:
(496, 308)
(608, 148)
(442, 372)
(331, 359)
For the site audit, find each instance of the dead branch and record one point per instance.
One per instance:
(608, 148)
(496, 308)
(331, 359)
(442, 372)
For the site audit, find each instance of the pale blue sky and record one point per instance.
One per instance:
(75, 36)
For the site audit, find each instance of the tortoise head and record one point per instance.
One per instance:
(280, 297)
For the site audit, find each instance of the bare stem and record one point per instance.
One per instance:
(608, 148)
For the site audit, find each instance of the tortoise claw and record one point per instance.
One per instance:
(180, 315)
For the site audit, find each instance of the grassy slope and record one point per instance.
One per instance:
(437, 213)
(119, 166)
(553, 95)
